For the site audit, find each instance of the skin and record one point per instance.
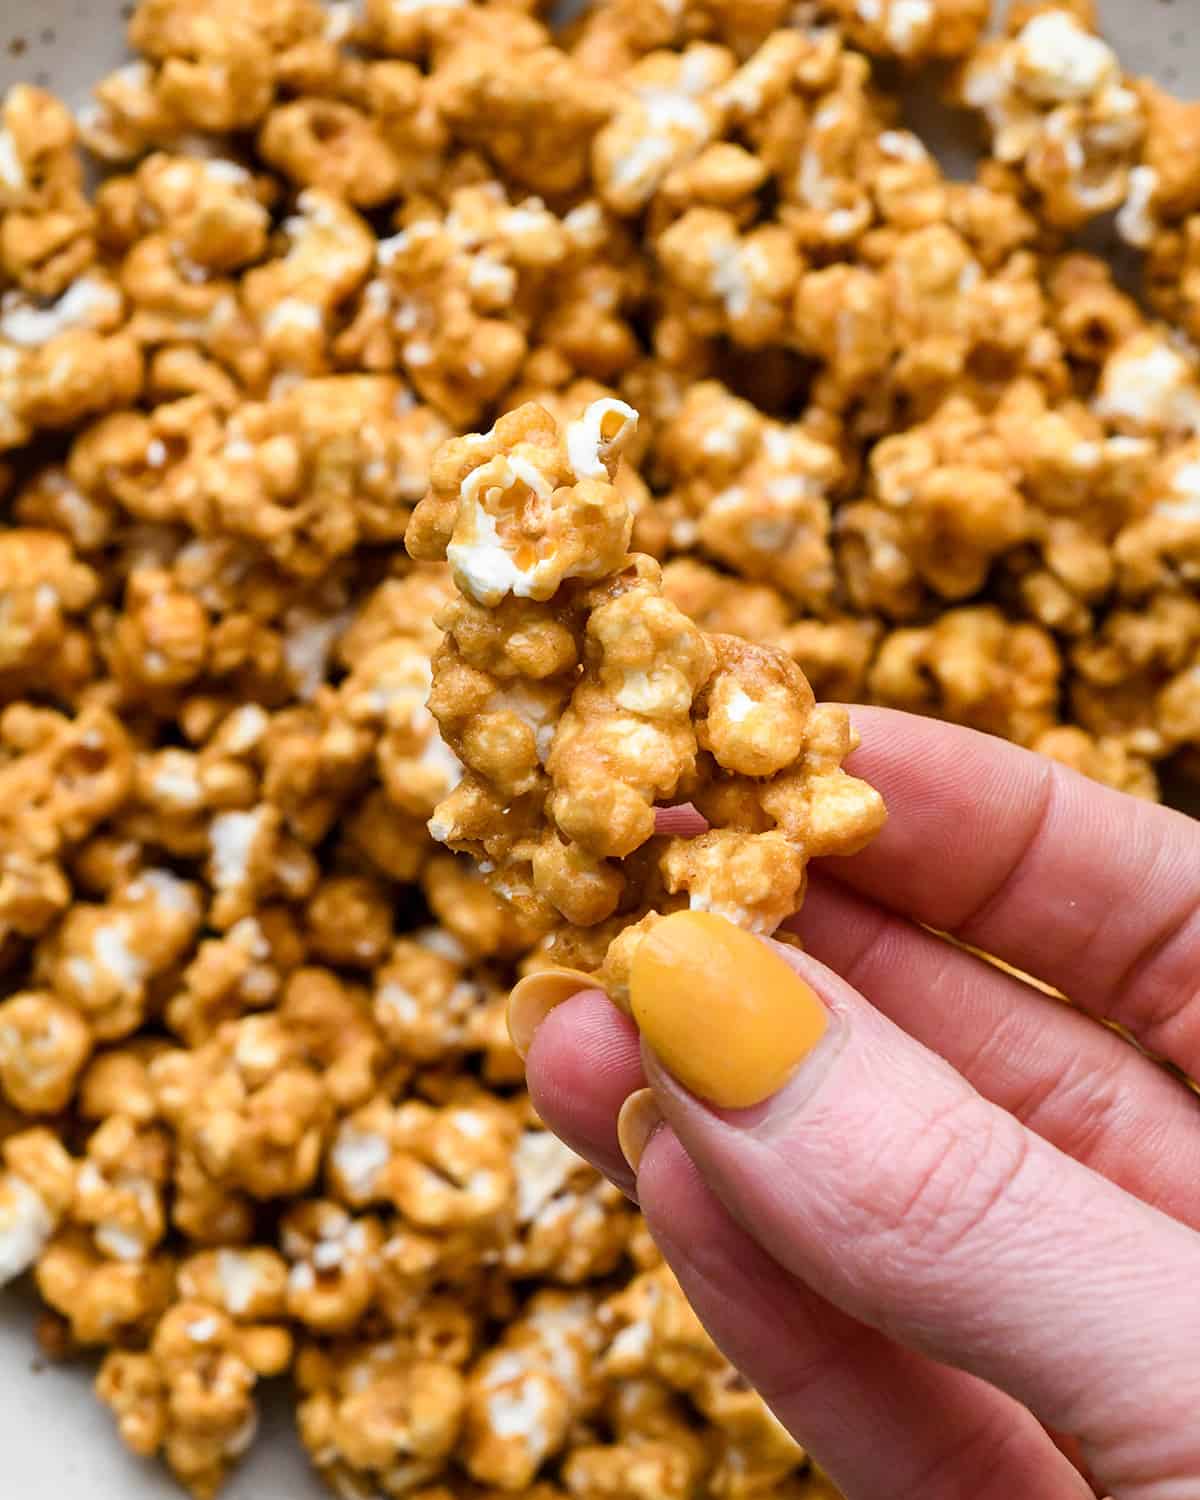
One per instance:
(958, 1251)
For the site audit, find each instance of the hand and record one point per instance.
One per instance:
(971, 1214)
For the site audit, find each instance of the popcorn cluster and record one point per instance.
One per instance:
(899, 437)
(579, 697)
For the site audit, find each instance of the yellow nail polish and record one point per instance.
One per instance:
(722, 1011)
(637, 1121)
(535, 996)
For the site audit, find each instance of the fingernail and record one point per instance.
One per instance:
(637, 1121)
(721, 1010)
(535, 996)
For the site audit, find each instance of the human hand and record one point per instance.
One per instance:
(967, 1214)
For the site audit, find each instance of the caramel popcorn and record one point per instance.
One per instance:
(1056, 103)
(593, 757)
(973, 667)
(284, 813)
(751, 493)
(913, 30)
(190, 1396)
(376, 1418)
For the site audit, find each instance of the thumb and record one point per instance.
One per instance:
(877, 1176)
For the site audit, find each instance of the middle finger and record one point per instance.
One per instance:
(1071, 1080)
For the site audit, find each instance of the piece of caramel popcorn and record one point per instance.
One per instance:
(190, 1395)
(1056, 103)
(563, 773)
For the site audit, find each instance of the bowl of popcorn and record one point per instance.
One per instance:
(434, 438)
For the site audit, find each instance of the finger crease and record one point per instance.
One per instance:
(1159, 1014)
(977, 918)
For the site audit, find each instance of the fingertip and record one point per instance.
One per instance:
(584, 1062)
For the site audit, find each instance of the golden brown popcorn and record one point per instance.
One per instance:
(913, 30)
(414, 28)
(120, 1187)
(523, 1396)
(593, 296)
(834, 655)
(333, 1259)
(312, 471)
(1148, 387)
(327, 144)
(1160, 547)
(44, 1045)
(752, 493)
(349, 921)
(525, 507)
(190, 1396)
(210, 207)
(727, 281)
(117, 1082)
(452, 296)
(818, 150)
(842, 316)
(451, 1167)
(43, 585)
(213, 67)
(140, 462)
(104, 959)
(104, 1300)
(37, 1186)
(571, 1225)
(1055, 101)
(250, 1104)
(424, 1001)
(47, 237)
(609, 38)
(63, 379)
(534, 112)
(161, 640)
(953, 488)
(248, 1284)
(548, 816)
(1172, 277)
(375, 1418)
(473, 916)
(59, 778)
(386, 694)
(725, 604)
(40, 163)
(1134, 679)
(973, 667)
(126, 116)
(652, 1335)
(49, 501)
(325, 254)
(670, 110)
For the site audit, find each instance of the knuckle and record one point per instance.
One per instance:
(938, 1191)
(1080, 1106)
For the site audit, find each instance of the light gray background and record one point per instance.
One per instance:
(55, 1440)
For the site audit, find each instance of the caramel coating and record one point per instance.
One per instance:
(564, 772)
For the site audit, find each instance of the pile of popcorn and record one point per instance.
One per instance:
(897, 435)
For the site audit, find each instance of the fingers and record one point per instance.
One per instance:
(880, 1179)
(1076, 1083)
(879, 1420)
(584, 1063)
(1091, 890)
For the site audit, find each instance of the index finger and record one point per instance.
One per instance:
(1085, 887)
